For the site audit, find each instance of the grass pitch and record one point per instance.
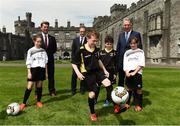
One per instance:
(160, 102)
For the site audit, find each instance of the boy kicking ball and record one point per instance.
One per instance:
(92, 71)
(134, 62)
(37, 71)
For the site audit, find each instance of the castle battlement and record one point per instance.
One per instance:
(118, 7)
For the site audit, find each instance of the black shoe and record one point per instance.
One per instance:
(53, 94)
(73, 93)
(82, 92)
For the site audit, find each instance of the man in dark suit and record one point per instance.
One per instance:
(50, 45)
(77, 43)
(123, 45)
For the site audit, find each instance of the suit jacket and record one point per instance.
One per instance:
(122, 46)
(76, 46)
(51, 49)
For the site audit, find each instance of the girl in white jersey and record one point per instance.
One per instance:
(134, 61)
(37, 71)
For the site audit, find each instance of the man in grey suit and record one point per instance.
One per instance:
(123, 45)
(77, 43)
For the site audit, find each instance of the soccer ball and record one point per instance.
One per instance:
(119, 95)
(13, 109)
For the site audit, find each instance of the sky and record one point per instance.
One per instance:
(76, 11)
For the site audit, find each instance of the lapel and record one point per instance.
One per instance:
(42, 43)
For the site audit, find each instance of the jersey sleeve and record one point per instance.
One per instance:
(142, 59)
(28, 59)
(76, 59)
(125, 62)
(46, 58)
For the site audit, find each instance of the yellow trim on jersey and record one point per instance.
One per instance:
(82, 66)
(108, 50)
(88, 48)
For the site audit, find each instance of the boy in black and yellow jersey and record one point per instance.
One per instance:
(108, 58)
(92, 71)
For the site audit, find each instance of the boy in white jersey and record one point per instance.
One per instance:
(134, 62)
(37, 71)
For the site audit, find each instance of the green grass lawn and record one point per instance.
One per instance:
(161, 101)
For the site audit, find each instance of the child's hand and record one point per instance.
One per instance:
(132, 74)
(114, 76)
(80, 76)
(29, 76)
(106, 74)
(128, 74)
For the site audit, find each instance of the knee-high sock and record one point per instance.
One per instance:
(91, 105)
(26, 95)
(39, 94)
(97, 93)
(129, 99)
(139, 99)
(109, 90)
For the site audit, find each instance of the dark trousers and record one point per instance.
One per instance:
(51, 82)
(121, 77)
(74, 83)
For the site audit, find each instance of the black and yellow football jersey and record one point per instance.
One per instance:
(87, 59)
(109, 59)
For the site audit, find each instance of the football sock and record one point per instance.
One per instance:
(97, 93)
(129, 99)
(39, 94)
(109, 90)
(26, 95)
(91, 105)
(139, 98)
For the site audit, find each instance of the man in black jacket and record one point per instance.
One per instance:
(50, 45)
(77, 43)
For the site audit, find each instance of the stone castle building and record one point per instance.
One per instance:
(157, 21)
(64, 35)
(13, 47)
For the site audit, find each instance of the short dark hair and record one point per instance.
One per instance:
(109, 39)
(44, 22)
(135, 39)
(35, 37)
(82, 26)
(93, 33)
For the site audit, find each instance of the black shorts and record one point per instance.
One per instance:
(38, 74)
(111, 78)
(134, 82)
(92, 79)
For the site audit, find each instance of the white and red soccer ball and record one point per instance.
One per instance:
(119, 95)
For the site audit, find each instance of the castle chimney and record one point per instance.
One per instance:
(68, 24)
(56, 23)
(18, 18)
(4, 29)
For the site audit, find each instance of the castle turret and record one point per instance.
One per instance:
(28, 19)
(117, 10)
